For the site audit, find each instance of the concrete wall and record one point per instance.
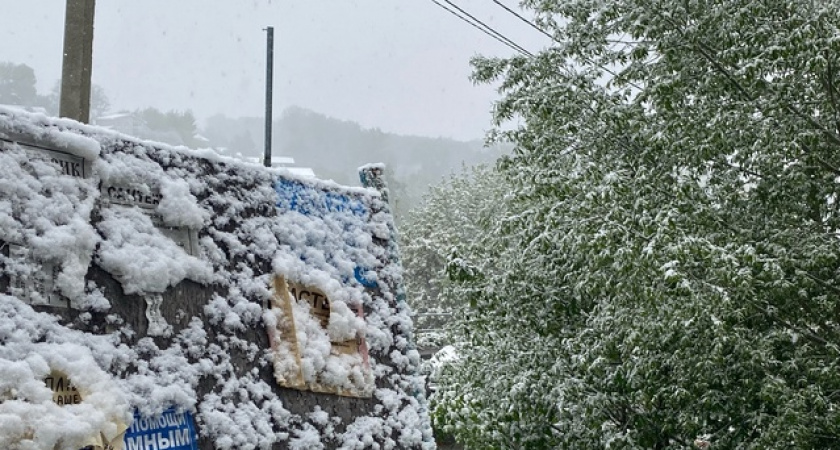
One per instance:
(223, 188)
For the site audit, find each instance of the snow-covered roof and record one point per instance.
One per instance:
(115, 116)
(280, 160)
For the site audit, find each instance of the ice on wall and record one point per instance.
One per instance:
(103, 235)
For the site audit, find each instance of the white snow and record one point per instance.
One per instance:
(140, 257)
(323, 235)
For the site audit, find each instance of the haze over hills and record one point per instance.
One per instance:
(334, 148)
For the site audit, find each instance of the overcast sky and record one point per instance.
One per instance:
(400, 65)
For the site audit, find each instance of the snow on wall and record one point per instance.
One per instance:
(145, 274)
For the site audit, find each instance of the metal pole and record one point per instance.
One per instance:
(269, 82)
(78, 56)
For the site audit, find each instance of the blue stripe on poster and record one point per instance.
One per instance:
(295, 196)
(172, 430)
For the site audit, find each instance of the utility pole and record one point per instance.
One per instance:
(269, 93)
(77, 60)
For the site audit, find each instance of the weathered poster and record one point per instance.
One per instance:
(319, 307)
(147, 200)
(66, 393)
(36, 288)
(69, 164)
(172, 430)
(292, 303)
(288, 367)
(157, 323)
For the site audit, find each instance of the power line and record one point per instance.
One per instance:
(519, 16)
(522, 49)
(503, 40)
(486, 30)
(534, 26)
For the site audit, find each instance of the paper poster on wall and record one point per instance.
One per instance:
(294, 195)
(66, 393)
(157, 323)
(302, 317)
(148, 199)
(67, 163)
(172, 430)
(36, 288)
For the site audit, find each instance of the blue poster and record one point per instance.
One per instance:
(172, 430)
(296, 196)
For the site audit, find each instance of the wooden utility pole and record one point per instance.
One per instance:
(78, 59)
(269, 93)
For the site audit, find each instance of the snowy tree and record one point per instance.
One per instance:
(176, 127)
(17, 84)
(100, 105)
(444, 227)
(666, 275)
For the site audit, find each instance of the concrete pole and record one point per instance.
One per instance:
(269, 93)
(78, 59)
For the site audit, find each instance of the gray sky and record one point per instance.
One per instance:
(400, 65)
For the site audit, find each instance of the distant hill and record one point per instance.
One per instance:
(335, 148)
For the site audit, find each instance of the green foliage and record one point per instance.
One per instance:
(437, 240)
(665, 274)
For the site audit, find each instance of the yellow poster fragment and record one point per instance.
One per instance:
(283, 339)
(285, 344)
(66, 393)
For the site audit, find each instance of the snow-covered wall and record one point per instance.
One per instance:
(154, 293)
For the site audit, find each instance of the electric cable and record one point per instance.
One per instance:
(519, 16)
(486, 30)
(488, 27)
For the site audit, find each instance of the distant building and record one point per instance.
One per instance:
(124, 122)
(285, 162)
